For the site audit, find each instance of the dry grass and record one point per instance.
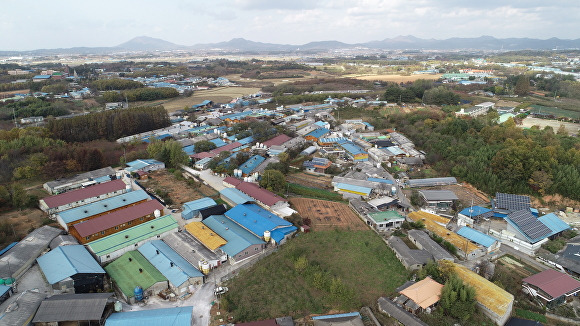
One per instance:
(572, 128)
(395, 78)
(328, 215)
(433, 224)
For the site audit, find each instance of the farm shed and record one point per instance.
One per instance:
(192, 208)
(241, 243)
(431, 182)
(70, 309)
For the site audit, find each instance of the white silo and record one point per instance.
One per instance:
(267, 236)
(157, 213)
(205, 267)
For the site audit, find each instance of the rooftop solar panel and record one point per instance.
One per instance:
(511, 202)
(529, 224)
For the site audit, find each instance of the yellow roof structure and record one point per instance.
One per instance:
(207, 236)
(432, 223)
(425, 293)
(487, 294)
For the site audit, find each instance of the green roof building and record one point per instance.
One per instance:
(382, 221)
(132, 270)
(113, 246)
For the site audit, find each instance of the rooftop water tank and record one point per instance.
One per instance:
(157, 213)
(138, 293)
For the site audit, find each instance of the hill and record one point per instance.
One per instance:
(146, 43)
(315, 273)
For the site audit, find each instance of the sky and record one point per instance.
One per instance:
(38, 24)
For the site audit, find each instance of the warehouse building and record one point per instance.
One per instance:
(192, 208)
(74, 309)
(261, 222)
(64, 185)
(241, 243)
(179, 316)
(233, 197)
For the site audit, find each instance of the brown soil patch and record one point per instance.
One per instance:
(179, 190)
(466, 193)
(16, 224)
(310, 180)
(556, 201)
(327, 215)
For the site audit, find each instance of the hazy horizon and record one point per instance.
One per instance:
(30, 25)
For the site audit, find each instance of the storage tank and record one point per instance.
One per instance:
(2, 281)
(128, 188)
(157, 213)
(393, 191)
(8, 281)
(138, 293)
(205, 267)
(267, 236)
(118, 306)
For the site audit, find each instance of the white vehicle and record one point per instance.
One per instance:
(220, 290)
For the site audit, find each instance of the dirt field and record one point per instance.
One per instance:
(521, 269)
(395, 78)
(15, 224)
(310, 180)
(573, 128)
(179, 191)
(466, 193)
(327, 215)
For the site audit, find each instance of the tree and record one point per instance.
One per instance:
(457, 299)
(522, 87)
(18, 196)
(204, 146)
(562, 131)
(273, 180)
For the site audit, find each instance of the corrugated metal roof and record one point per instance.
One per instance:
(256, 219)
(141, 164)
(174, 267)
(132, 270)
(395, 150)
(118, 217)
(553, 282)
(385, 216)
(279, 234)
(277, 141)
(82, 177)
(251, 164)
(352, 148)
(474, 211)
(179, 316)
(432, 182)
(260, 194)
(4, 289)
(66, 261)
(381, 180)
(246, 141)
(477, 236)
(135, 234)
(190, 207)
(84, 193)
(207, 236)
(72, 307)
(27, 302)
(236, 196)
(424, 293)
(318, 132)
(437, 195)
(101, 206)
(554, 223)
(229, 147)
(354, 189)
(237, 237)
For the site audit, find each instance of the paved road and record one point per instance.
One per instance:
(201, 302)
(529, 260)
(212, 180)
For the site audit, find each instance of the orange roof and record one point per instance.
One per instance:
(433, 223)
(425, 293)
(207, 236)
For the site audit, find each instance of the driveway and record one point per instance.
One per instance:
(212, 180)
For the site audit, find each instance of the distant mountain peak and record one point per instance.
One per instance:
(147, 43)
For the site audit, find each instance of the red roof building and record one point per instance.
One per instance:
(228, 147)
(277, 141)
(78, 197)
(550, 284)
(261, 195)
(116, 221)
(231, 182)
(199, 156)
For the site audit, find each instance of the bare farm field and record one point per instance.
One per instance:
(395, 78)
(178, 190)
(327, 215)
(310, 180)
(573, 128)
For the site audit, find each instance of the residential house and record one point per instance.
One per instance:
(383, 221)
(422, 296)
(551, 287)
(412, 259)
(74, 309)
(317, 165)
(71, 269)
(439, 200)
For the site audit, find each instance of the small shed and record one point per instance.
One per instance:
(192, 208)
(74, 309)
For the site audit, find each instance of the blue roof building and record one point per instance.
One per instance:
(355, 152)
(179, 316)
(529, 226)
(475, 211)
(395, 150)
(241, 243)
(144, 165)
(73, 215)
(236, 116)
(555, 224)
(246, 141)
(192, 208)
(235, 197)
(381, 180)
(72, 267)
(218, 142)
(189, 150)
(3, 251)
(251, 164)
(178, 271)
(316, 134)
(353, 189)
(258, 220)
(478, 237)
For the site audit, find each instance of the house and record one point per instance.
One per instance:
(183, 277)
(233, 197)
(20, 257)
(422, 240)
(27, 303)
(390, 308)
(74, 309)
(119, 220)
(179, 316)
(132, 270)
(495, 302)
(382, 221)
(115, 245)
(345, 319)
(551, 287)
(144, 165)
(439, 200)
(422, 295)
(317, 165)
(71, 269)
(488, 242)
(241, 243)
(192, 208)
(412, 259)
(261, 222)
(72, 216)
(469, 215)
(29, 120)
(74, 198)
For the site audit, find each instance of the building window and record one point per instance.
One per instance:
(245, 253)
(102, 232)
(108, 256)
(256, 249)
(87, 238)
(116, 227)
(130, 222)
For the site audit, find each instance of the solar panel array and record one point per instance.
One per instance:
(485, 215)
(529, 224)
(511, 202)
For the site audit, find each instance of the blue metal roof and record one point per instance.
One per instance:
(321, 123)
(179, 316)
(66, 261)
(102, 179)
(101, 206)
(318, 132)
(4, 289)
(554, 223)
(279, 234)
(247, 140)
(256, 219)
(333, 140)
(3, 251)
(192, 208)
(139, 164)
(475, 211)
(218, 142)
(251, 164)
(176, 269)
(236, 196)
(349, 314)
(189, 150)
(380, 180)
(234, 116)
(237, 237)
(350, 188)
(395, 150)
(477, 236)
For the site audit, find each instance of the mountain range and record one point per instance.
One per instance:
(148, 44)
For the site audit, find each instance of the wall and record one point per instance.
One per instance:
(248, 252)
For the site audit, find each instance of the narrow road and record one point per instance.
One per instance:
(201, 302)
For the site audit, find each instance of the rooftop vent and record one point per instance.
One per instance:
(140, 270)
(126, 236)
(157, 252)
(86, 211)
(152, 226)
(130, 259)
(171, 264)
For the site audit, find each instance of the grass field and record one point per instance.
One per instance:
(555, 111)
(315, 273)
(573, 128)
(395, 78)
(304, 191)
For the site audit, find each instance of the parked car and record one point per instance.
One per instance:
(220, 290)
